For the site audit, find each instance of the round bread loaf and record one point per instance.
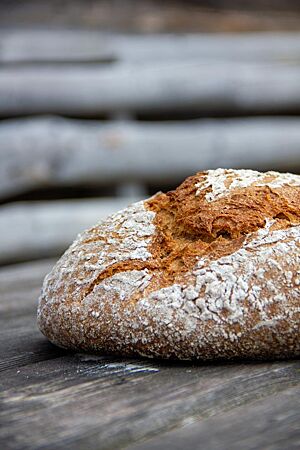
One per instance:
(209, 270)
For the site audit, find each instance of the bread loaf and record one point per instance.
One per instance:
(210, 270)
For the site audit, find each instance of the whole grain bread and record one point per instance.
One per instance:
(209, 270)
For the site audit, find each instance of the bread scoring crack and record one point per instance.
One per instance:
(189, 227)
(119, 267)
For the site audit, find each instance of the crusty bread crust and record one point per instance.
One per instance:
(210, 270)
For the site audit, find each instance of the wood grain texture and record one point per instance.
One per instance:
(54, 399)
(151, 88)
(80, 46)
(56, 152)
(112, 403)
(20, 341)
(33, 230)
(268, 424)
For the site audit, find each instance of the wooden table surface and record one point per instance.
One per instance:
(53, 399)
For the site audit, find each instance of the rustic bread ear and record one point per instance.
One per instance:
(210, 270)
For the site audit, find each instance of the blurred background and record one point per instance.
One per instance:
(105, 102)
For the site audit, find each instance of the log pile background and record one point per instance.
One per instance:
(102, 103)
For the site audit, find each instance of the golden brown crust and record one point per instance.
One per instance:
(209, 270)
(189, 227)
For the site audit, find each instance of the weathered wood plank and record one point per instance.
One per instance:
(215, 87)
(111, 411)
(67, 46)
(30, 348)
(71, 369)
(20, 341)
(52, 151)
(41, 229)
(271, 423)
(91, 402)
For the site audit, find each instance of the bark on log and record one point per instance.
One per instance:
(57, 152)
(152, 88)
(66, 46)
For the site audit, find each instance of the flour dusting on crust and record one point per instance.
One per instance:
(123, 236)
(238, 296)
(233, 297)
(226, 307)
(221, 181)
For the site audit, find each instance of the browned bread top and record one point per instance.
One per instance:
(210, 270)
